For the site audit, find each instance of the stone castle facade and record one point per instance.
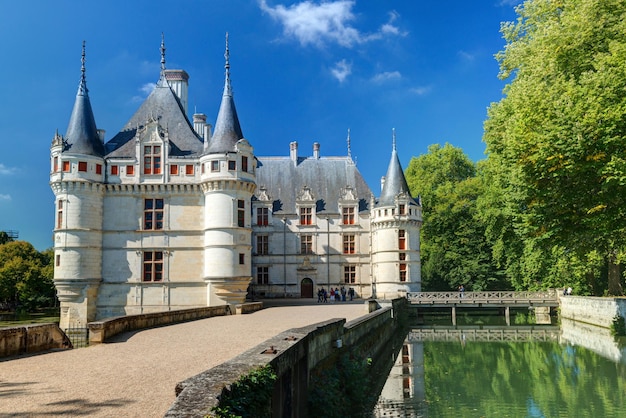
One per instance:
(171, 214)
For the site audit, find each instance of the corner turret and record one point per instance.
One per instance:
(396, 223)
(77, 180)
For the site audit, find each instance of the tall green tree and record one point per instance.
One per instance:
(453, 245)
(556, 142)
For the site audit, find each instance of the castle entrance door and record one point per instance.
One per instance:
(306, 288)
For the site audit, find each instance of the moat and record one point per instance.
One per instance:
(478, 369)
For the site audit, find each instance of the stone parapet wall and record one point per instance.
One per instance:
(30, 339)
(592, 310)
(101, 331)
(293, 355)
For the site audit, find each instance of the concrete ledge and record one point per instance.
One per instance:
(101, 331)
(30, 339)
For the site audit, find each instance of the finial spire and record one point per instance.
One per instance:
(393, 134)
(82, 87)
(162, 53)
(227, 89)
(348, 140)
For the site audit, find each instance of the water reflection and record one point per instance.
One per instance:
(529, 371)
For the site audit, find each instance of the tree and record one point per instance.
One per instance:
(4, 237)
(556, 142)
(26, 276)
(453, 245)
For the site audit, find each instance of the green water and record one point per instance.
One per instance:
(569, 371)
(13, 319)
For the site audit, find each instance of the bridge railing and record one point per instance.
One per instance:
(426, 298)
(547, 333)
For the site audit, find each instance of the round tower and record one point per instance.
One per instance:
(228, 182)
(76, 178)
(396, 223)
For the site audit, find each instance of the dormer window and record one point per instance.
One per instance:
(306, 216)
(55, 164)
(348, 215)
(152, 159)
(244, 164)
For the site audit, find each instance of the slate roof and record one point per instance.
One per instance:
(162, 104)
(227, 130)
(395, 182)
(325, 176)
(81, 136)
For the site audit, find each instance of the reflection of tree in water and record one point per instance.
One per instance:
(521, 379)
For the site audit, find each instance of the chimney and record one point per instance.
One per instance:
(199, 121)
(101, 133)
(382, 183)
(179, 82)
(293, 151)
(316, 150)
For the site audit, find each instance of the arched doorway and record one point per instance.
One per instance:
(306, 288)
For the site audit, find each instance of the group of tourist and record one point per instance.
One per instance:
(335, 295)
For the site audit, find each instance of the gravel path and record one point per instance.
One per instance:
(135, 375)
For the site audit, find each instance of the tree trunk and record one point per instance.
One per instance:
(615, 277)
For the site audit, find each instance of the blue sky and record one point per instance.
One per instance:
(303, 71)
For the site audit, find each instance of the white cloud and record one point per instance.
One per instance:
(466, 56)
(342, 70)
(6, 171)
(509, 2)
(145, 90)
(327, 22)
(421, 90)
(386, 76)
(5, 197)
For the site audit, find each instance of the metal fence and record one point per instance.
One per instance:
(79, 336)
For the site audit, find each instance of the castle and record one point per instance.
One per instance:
(171, 214)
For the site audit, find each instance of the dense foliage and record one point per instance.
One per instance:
(250, 396)
(556, 143)
(454, 249)
(547, 208)
(25, 276)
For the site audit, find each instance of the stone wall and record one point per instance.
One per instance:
(101, 331)
(32, 339)
(292, 354)
(592, 310)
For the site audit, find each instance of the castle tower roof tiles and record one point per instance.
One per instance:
(82, 135)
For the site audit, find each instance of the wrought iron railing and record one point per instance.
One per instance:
(79, 336)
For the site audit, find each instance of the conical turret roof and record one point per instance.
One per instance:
(395, 182)
(82, 135)
(227, 129)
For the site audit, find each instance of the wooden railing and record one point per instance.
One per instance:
(492, 297)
